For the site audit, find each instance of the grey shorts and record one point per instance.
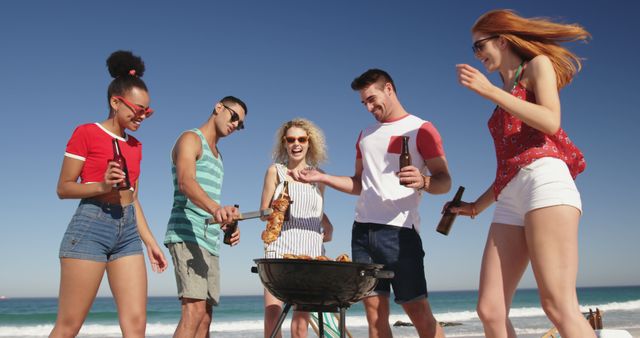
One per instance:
(197, 272)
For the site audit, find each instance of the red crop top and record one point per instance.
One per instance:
(91, 143)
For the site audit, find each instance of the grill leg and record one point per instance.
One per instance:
(343, 325)
(320, 325)
(276, 329)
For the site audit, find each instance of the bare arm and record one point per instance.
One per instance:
(69, 187)
(473, 209)
(327, 227)
(440, 181)
(268, 187)
(156, 257)
(543, 115)
(347, 184)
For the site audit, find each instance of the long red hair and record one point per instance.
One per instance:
(530, 37)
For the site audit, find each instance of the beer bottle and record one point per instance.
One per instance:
(592, 319)
(447, 219)
(285, 194)
(231, 228)
(122, 162)
(405, 157)
(598, 319)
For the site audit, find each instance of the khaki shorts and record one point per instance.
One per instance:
(197, 272)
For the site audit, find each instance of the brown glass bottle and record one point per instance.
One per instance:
(231, 228)
(122, 162)
(592, 319)
(598, 320)
(405, 157)
(448, 217)
(285, 194)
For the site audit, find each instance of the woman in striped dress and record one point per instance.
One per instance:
(299, 144)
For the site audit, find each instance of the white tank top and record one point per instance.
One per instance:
(302, 233)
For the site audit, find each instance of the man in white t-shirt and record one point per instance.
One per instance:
(387, 221)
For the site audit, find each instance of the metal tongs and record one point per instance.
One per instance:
(246, 215)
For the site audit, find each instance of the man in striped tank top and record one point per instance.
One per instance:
(197, 170)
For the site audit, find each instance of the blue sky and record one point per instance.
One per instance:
(291, 59)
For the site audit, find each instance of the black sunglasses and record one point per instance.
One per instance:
(235, 117)
(300, 139)
(479, 45)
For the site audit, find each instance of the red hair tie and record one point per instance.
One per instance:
(132, 72)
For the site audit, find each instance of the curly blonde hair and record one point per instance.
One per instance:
(530, 37)
(317, 151)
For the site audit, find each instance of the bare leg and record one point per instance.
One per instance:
(205, 323)
(377, 308)
(504, 261)
(79, 282)
(300, 324)
(552, 239)
(421, 316)
(193, 311)
(128, 281)
(272, 311)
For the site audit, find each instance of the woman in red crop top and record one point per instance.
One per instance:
(108, 228)
(538, 206)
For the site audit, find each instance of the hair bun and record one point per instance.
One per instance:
(121, 63)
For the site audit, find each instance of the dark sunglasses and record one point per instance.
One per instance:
(137, 110)
(479, 45)
(235, 117)
(300, 139)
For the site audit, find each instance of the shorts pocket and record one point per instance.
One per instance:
(78, 227)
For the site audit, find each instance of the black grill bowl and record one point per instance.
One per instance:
(318, 285)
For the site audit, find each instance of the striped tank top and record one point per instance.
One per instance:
(187, 221)
(301, 234)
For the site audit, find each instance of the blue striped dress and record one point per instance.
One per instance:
(302, 233)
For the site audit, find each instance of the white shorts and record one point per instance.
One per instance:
(545, 182)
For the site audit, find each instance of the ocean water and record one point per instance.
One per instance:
(241, 316)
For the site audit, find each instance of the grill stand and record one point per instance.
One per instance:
(287, 307)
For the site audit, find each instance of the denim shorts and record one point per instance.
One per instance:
(101, 232)
(399, 249)
(543, 183)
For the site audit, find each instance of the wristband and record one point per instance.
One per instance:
(474, 213)
(425, 185)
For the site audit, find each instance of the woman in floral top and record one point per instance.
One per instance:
(538, 205)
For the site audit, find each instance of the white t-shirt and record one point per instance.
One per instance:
(383, 199)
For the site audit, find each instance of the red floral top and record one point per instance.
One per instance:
(518, 145)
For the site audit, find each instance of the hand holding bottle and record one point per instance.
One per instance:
(118, 158)
(411, 177)
(465, 209)
(231, 231)
(444, 226)
(112, 176)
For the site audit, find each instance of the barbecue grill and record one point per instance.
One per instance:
(318, 286)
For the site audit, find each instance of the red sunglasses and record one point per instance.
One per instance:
(137, 110)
